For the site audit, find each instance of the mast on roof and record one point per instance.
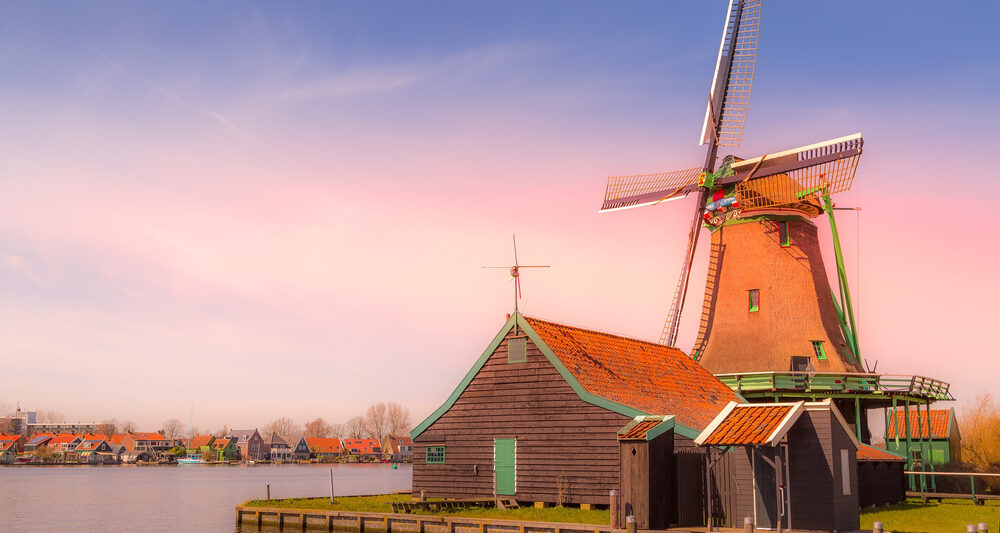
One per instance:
(515, 276)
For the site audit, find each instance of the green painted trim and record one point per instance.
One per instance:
(821, 352)
(666, 424)
(466, 380)
(592, 399)
(786, 239)
(427, 456)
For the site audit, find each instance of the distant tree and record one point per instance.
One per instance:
(50, 417)
(45, 454)
(281, 426)
(980, 429)
(222, 432)
(210, 455)
(337, 430)
(108, 427)
(398, 419)
(6, 409)
(377, 421)
(172, 429)
(178, 451)
(127, 426)
(318, 428)
(355, 428)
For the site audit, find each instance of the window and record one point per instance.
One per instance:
(517, 350)
(786, 240)
(845, 471)
(801, 364)
(818, 350)
(754, 300)
(435, 455)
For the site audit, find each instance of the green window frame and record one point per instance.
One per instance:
(517, 350)
(818, 350)
(434, 455)
(786, 239)
(754, 300)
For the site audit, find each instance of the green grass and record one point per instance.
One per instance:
(380, 504)
(950, 516)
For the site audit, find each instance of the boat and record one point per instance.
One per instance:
(192, 459)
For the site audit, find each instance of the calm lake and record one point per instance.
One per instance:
(183, 498)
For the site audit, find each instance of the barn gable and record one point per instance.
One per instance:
(623, 375)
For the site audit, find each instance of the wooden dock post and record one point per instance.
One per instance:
(613, 507)
(630, 525)
(260, 520)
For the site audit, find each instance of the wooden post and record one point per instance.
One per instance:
(239, 518)
(779, 485)
(708, 489)
(630, 524)
(613, 507)
(303, 518)
(423, 495)
(329, 523)
(909, 456)
(260, 520)
(268, 491)
(331, 486)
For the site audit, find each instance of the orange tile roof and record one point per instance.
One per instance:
(63, 438)
(871, 453)
(198, 441)
(7, 444)
(639, 430)
(939, 419)
(220, 443)
(653, 378)
(748, 425)
(147, 436)
(117, 439)
(324, 445)
(8, 437)
(89, 444)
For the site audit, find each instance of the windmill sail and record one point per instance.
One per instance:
(733, 74)
(625, 192)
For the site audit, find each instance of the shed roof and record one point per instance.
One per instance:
(751, 424)
(939, 421)
(872, 454)
(646, 427)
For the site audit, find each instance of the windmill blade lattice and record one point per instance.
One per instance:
(737, 75)
(828, 168)
(624, 192)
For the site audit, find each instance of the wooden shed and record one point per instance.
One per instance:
(880, 476)
(934, 434)
(804, 463)
(646, 451)
(538, 416)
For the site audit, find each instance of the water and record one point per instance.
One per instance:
(183, 498)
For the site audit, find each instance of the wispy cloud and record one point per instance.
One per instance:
(20, 264)
(174, 97)
(434, 73)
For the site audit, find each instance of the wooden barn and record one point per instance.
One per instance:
(803, 464)
(548, 412)
(934, 434)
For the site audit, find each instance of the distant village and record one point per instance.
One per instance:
(25, 441)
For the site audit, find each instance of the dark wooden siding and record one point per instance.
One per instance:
(810, 469)
(647, 490)
(880, 483)
(564, 445)
(848, 517)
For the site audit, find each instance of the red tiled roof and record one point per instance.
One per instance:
(749, 424)
(652, 378)
(362, 445)
(638, 431)
(8, 437)
(147, 436)
(324, 445)
(871, 453)
(89, 444)
(7, 444)
(117, 439)
(198, 441)
(63, 438)
(220, 443)
(939, 419)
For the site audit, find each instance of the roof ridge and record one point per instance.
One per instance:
(604, 332)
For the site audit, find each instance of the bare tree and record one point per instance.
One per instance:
(108, 427)
(281, 426)
(127, 426)
(377, 421)
(337, 430)
(222, 432)
(317, 428)
(398, 419)
(172, 429)
(50, 416)
(980, 427)
(355, 428)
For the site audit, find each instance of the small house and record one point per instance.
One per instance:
(399, 448)
(300, 448)
(250, 444)
(364, 449)
(200, 444)
(278, 449)
(36, 441)
(96, 451)
(802, 460)
(324, 449)
(225, 449)
(142, 441)
(17, 439)
(8, 451)
(936, 429)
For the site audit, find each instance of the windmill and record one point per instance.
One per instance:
(781, 192)
(515, 273)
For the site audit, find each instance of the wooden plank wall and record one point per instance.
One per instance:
(880, 483)
(810, 467)
(564, 445)
(847, 509)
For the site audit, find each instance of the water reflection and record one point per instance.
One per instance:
(195, 498)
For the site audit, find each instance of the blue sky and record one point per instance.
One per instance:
(298, 197)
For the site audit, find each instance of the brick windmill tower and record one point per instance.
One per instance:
(771, 326)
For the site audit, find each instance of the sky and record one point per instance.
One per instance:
(265, 209)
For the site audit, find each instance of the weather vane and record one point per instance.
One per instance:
(515, 273)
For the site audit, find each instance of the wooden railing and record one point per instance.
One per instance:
(838, 382)
(978, 499)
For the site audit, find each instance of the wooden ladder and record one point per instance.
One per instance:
(507, 503)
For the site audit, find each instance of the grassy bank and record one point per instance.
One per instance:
(381, 504)
(915, 516)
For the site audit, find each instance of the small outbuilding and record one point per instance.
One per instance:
(934, 435)
(880, 476)
(804, 463)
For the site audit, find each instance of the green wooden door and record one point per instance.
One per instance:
(505, 465)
